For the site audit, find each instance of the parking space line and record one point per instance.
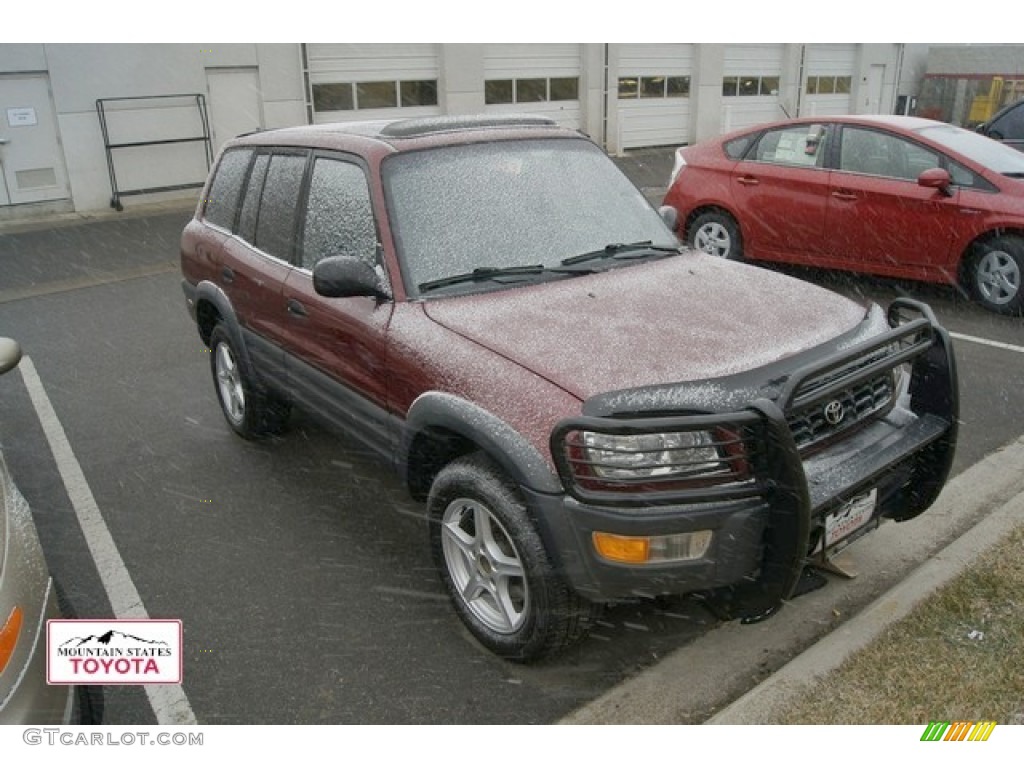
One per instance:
(987, 342)
(169, 702)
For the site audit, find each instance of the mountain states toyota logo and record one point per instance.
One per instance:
(113, 652)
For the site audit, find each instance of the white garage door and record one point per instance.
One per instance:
(654, 94)
(828, 79)
(369, 81)
(534, 78)
(750, 86)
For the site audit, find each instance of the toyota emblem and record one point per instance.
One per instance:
(834, 413)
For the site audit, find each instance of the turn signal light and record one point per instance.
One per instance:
(9, 636)
(639, 550)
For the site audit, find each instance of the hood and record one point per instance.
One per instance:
(683, 318)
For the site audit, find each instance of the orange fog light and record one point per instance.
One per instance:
(9, 636)
(622, 549)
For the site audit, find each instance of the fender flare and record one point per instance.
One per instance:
(212, 294)
(509, 448)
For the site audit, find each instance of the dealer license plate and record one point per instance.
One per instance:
(853, 515)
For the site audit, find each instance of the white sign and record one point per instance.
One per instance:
(18, 116)
(113, 652)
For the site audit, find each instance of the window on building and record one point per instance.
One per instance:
(828, 84)
(330, 97)
(531, 90)
(678, 86)
(499, 92)
(654, 86)
(750, 85)
(418, 93)
(379, 94)
(565, 88)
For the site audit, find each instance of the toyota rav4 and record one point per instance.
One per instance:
(590, 412)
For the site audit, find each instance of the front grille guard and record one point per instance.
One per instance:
(775, 470)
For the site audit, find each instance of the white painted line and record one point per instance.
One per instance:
(987, 342)
(169, 702)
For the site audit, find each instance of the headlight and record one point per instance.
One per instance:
(636, 457)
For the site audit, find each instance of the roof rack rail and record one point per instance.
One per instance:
(421, 126)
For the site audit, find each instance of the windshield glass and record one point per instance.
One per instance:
(511, 203)
(981, 149)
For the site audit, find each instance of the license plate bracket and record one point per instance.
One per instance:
(850, 518)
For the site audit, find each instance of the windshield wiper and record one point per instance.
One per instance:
(483, 273)
(637, 250)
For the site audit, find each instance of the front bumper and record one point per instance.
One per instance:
(766, 519)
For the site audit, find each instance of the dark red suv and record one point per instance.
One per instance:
(590, 412)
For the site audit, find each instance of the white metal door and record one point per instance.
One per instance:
(876, 84)
(30, 152)
(235, 103)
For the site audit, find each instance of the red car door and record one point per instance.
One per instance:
(781, 193)
(879, 218)
(337, 362)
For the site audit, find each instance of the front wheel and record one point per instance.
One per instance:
(995, 274)
(716, 233)
(495, 568)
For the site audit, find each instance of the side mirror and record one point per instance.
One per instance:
(10, 354)
(344, 276)
(936, 178)
(670, 216)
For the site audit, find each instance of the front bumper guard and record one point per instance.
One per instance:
(913, 444)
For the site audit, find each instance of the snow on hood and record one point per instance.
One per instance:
(679, 319)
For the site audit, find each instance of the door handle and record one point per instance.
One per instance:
(228, 274)
(295, 308)
(748, 181)
(841, 195)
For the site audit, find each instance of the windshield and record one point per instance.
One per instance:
(981, 149)
(511, 203)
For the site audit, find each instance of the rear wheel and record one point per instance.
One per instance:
(495, 568)
(250, 412)
(995, 271)
(718, 234)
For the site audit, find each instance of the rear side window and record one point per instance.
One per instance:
(226, 189)
(275, 227)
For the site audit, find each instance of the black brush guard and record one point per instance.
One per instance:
(772, 469)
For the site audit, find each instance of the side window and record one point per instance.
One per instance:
(881, 154)
(226, 189)
(275, 226)
(251, 203)
(339, 219)
(796, 145)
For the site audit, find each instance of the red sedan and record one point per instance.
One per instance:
(897, 196)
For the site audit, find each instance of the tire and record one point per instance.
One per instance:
(249, 411)
(994, 274)
(716, 233)
(494, 566)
